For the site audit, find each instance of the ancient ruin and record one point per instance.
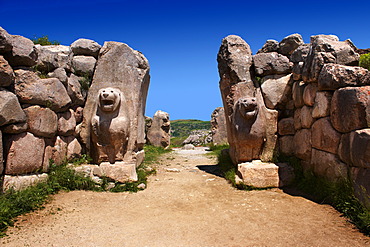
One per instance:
(158, 132)
(218, 122)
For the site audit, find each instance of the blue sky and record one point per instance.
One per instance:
(181, 38)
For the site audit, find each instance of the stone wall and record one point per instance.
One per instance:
(320, 95)
(43, 92)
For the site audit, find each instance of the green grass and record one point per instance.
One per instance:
(44, 40)
(177, 141)
(182, 128)
(365, 61)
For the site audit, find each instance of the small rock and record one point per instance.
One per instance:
(172, 170)
(141, 186)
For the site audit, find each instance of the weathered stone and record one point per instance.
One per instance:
(74, 149)
(120, 171)
(66, 123)
(18, 183)
(50, 92)
(306, 117)
(41, 121)
(23, 52)
(74, 90)
(5, 41)
(60, 74)
(300, 54)
(51, 57)
(328, 165)
(297, 119)
(271, 63)
(10, 109)
(270, 46)
(302, 143)
(6, 73)
(270, 143)
(24, 153)
(85, 47)
(218, 126)
(321, 107)
(1, 153)
(124, 74)
(159, 132)
(327, 49)
(78, 112)
(297, 71)
(276, 90)
(15, 128)
(188, 147)
(334, 76)
(354, 148)
(198, 137)
(265, 175)
(350, 108)
(361, 184)
(290, 43)
(286, 126)
(324, 136)
(309, 94)
(286, 145)
(83, 65)
(56, 150)
(297, 93)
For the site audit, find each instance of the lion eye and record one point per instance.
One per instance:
(111, 91)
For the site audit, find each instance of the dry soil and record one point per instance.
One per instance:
(185, 204)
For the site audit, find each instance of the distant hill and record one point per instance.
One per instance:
(183, 127)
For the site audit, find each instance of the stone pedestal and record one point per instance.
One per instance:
(120, 171)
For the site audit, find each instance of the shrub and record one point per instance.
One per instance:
(44, 40)
(365, 61)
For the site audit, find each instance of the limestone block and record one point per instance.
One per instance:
(159, 132)
(276, 89)
(290, 43)
(60, 74)
(83, 65)
(324, 136)
(218, 123)
(264, 175)
(18, 183)
(30, 89)
(198, 137)
(297, 93)
(306, 117)
(321, 107)
(269, 46)
(361, 184)
(51, 57)
(10, 109)
(41, 121)
(309, 94)
(297, 119)
(56, 150)
(188, 147)
(23, 52)
(24, 154)
(120, 171)
(327, 49)
(302, 143)
(350, 108)
(299, 55)
(66, 123)
(286, 145)
(74, 149)
(5, 41)
(334, 76)
(6, 73)
(328, 165)
(75, 91)
(271, 63)
(344, 148)
(354, 148)
(86, 47)
(286, 126)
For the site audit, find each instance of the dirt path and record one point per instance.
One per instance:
(184, 206)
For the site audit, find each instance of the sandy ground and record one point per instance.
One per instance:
(184, 205)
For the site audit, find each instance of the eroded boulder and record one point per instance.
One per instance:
(66, 123)
(10, 109)
(6, 73)
(290, 43)
(83, 65)
(86, 47)
(23, 52)
(271, 63)
(270, 46)
(324, 136)
(276, 90)
(51, 57)
(41, 121)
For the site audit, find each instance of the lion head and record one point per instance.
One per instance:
(247, 107)
(109, 99)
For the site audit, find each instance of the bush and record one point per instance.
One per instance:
(365, 61)
(44, 40)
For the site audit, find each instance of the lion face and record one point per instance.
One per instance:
(109, 99)
(248, 107)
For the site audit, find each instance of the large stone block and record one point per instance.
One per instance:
(159, 132)
(276, 90)
(288, 45)
(327, 49)
(306, 117)
(218, 123)
(5, 41)
(309, 94)
(6, 73)
(324, 136)
(286, 126)
(354, 148)
(23, 52)
(297, 119)
(51, 57)
(271, 63)
(302, 143)
(297, 93)
(24, 154)
(60, 74)
(75, 91)
(264, 175)
(50, 92)
(328, 165)
(269, 46)
(86, 47)
(66, 123)
(10, 109)
(18, 183)
(114, 125)
(120, 171)
(286, 145)
(299, 55)
(321, 107)
(334, 76)
(83, 65)
(350, 108)
(41, 121)
(74, 149)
